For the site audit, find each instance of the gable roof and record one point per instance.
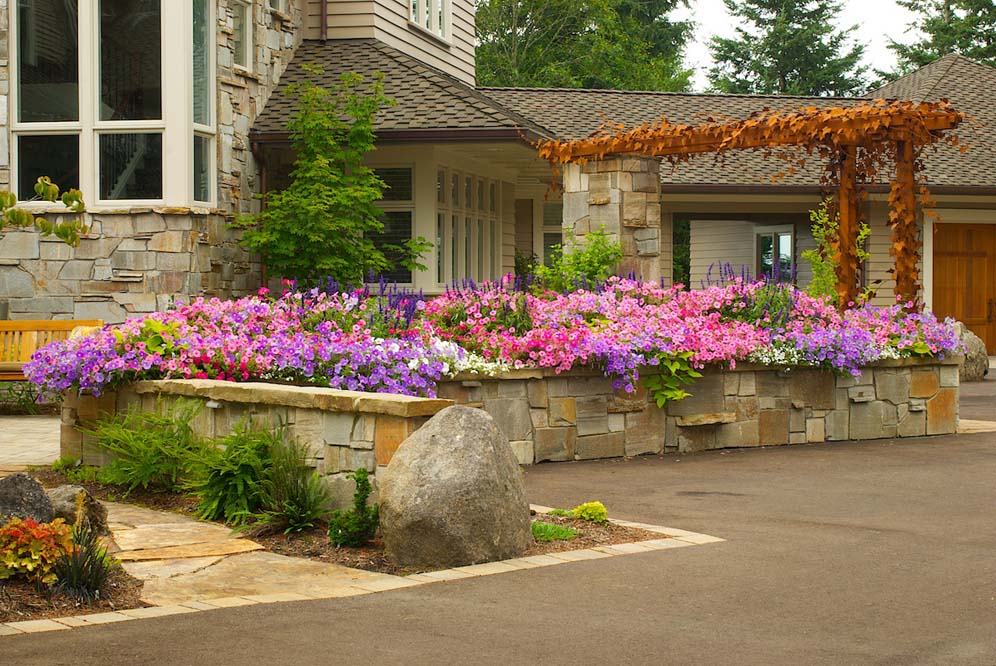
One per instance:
(426, 100)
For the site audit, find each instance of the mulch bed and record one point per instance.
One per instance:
(21, 600)
(315, 545)
(150, 499)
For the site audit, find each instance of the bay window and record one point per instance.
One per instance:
(398, 205)
(95, 108)
(468, 227)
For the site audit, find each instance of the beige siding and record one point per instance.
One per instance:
(803, 241)
(717, 242)
(387, 20)
(879, 261)
(508, 227)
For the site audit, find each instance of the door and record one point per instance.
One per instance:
(965, 277)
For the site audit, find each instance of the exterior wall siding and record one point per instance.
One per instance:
(717, 242)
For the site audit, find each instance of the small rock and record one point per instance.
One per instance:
(453, 494)
(66, 502)
(23, 497)
(976, 364)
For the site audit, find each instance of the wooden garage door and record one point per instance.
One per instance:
(965, 277)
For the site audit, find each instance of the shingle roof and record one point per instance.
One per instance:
(426, 98)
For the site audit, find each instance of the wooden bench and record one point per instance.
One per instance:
(19, 339)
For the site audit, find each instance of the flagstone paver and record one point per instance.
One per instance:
(28, 440)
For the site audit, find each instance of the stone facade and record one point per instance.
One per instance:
(572, 416)
(621, 195)
(344, 430)
(136, 260)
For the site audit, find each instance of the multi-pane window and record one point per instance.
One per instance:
(553, 231)
(432, 15)
(398, 205)
(775, 257)
(241, 33)
(94, 107)
(468, 227)
(278, 5)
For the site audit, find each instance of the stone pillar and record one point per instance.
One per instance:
(622, 196)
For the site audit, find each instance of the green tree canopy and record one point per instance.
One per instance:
(621, 44)
(787, 47)
(967, 27)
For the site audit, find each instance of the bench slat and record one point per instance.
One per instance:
(20, 338)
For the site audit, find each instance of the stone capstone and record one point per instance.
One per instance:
(453, 495)
(68, 501)
(23, 497)
(976, 364)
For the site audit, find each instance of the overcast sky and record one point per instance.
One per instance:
(877, 21)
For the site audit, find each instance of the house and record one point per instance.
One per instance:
(171, 117)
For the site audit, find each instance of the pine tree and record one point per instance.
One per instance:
(787, 47)
(947, 26)
(622, 44)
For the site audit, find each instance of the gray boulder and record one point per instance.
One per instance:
(68, 500)
(976, 364)
(23, 497)
(453, 494)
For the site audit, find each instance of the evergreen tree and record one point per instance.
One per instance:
(622, 44)
(947, 26)
(787, 47)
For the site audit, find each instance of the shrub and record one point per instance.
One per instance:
(552, 532)
(358, 525)
(83, 570)
(594, 512)
(149, 449)
(293, 496)
(594, 260)
(30, 549)
(20, 397)
(824, 258)
(324, 224)
(228, 474)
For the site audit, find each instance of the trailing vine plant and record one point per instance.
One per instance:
(68, 229)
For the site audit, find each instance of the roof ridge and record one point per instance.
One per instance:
(666, 93)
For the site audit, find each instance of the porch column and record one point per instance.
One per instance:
(623, 196)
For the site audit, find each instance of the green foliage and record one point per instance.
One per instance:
(620, 44)
(787, 48)
(357, 525)
(594, 512)
(68, 230)
(673, 372)
(293, 496)
(561, 512)
(824, 257)
(149, 449)
(594, 259)
(74, 471)
(941, 27)
(525, 264)
(83, 570)
(324, 223)
(30, 549)
(553, 532)
(20, 397)
(229, 473)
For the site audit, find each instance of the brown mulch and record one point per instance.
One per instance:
(150, 499)
(21, 600)
(315, 545)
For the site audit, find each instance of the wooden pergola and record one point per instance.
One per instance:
(857, 143)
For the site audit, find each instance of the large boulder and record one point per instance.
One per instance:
(69, 501)
(976, 364)
(23, 497)
(453, 494)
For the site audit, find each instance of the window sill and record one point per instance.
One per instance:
(424, 32)
(246, 73)
(280, 14)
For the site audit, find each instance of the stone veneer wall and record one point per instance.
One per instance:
(136, 259)
(344, 430)
(578, 416)
(573, 416)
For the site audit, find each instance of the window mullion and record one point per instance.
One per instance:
(89, 65)
(178, 148)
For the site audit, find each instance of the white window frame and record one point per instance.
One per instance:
(438, 23)
(175, 125)
(249, 27)
(482, 221)
(401, 205)
(279, 6)
(775, 230)
(208, 131)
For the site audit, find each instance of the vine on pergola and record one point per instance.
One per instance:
(858, 145)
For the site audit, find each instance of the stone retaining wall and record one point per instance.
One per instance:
(572, 416)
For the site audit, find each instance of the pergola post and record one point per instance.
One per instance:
(849, 210)
(903, 220)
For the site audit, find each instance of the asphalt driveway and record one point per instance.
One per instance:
(850, 553)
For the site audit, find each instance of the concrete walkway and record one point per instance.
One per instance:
(28, 440)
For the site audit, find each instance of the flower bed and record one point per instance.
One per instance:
(395, 342)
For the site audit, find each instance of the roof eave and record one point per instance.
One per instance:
(526, 136)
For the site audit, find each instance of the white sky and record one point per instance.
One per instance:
(877, 21)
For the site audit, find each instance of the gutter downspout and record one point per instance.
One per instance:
(324, 11)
